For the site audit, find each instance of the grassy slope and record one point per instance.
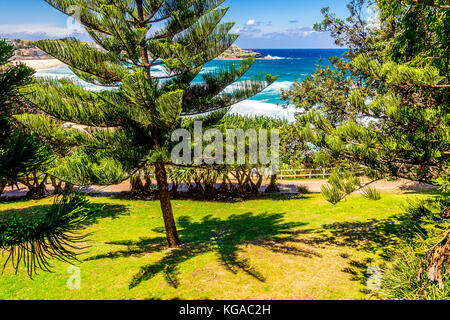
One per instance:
(279, 248)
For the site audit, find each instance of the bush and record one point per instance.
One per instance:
(303, 189)
(339, 186)
(417, 209)
(422, 229)
(371, 193)
(332, 194)
(401, 281)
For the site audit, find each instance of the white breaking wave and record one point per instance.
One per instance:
(210, 69)
(274, 88)
(277, 86)
(158, 71)
(254, 108)
(62, 72)
(269, 57)
(56, 73)
(245, 108)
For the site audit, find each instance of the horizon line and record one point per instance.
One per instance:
(296, 48)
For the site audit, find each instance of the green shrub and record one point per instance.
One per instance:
(303, 189)
(422, 227)
(371, 193)
(419, 208)
(401, 281)
(332, 194)
(53, 234)
(339, 186)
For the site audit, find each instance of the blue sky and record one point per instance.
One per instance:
(261, 23)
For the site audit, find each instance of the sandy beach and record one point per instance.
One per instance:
(38, 64)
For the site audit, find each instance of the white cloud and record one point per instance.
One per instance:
(40, 29)
(267, 30)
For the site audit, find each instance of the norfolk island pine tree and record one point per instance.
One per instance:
(130, 126)
(382, 107)
(386, 108)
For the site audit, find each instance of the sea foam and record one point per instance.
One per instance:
(264, 104)
(255, 108)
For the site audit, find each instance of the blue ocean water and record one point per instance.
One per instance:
(289, 64)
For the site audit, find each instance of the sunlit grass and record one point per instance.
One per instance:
(282, 247)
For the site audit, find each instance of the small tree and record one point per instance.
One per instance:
(386, 107)
(376, 110)
(120, 131)
(20, 154)
(244, 156)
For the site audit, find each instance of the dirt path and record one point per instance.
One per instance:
(401, 185)
(285, 186)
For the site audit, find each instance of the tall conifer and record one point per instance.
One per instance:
(121, 130)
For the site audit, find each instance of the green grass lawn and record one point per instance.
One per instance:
(284, 247)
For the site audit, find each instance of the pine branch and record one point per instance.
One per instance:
(53, 234)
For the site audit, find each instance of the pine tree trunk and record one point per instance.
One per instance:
(166, 206)
(37, 192)
(136, 184)
(259, 183)
(272, 187)
(3, 184)
(439, 261)
(56, 186)
(175, 186)
(68, 187)
(148, 182)
(446, 213)
(223, 189)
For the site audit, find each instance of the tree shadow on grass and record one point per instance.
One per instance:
(285, 196)
(99, 211)
(374, 235)
(377, 236)
(225, 237)
(103, 210)
(359, 269)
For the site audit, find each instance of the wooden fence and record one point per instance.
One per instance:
(320, 173)
(304, 173)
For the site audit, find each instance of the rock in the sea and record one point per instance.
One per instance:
(234, 52)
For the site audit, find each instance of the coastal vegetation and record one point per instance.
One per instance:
(129, 128)
(385, 105)
(22, 156)
(26, 50)
(380, 112)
